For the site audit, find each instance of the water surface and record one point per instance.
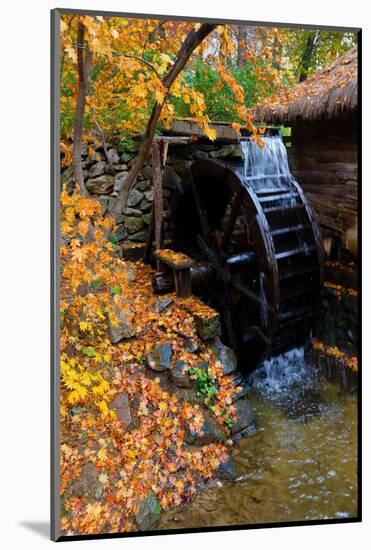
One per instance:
(300, 465)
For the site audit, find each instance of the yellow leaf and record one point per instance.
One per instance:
(210, 133)
(83, 325)
(102, 453)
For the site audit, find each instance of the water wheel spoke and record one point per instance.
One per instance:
(213, 258)
(235, 209)
(201, 213)
(250, 294)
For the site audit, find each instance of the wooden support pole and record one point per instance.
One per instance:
(157, 193)
(150, 236)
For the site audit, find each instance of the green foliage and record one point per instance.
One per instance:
(205, 385)
(219, 98)
(116, 289)
(309, 50)
(89, 351)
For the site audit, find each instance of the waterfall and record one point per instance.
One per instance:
(265, 167)
(286, 376)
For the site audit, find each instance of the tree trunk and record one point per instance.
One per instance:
(305, 62)
(83, 67)
(241, 46)
(193, 40)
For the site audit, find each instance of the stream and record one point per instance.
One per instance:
(301, 464)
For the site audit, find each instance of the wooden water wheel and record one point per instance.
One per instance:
(257, 253)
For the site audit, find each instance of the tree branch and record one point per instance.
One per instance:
(193, 40)
(83, 69)
(140, 59)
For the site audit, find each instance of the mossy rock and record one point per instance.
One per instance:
(149, 513)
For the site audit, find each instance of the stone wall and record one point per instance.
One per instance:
(324, 165)
(134, 224)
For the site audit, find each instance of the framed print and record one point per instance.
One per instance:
(205, 277)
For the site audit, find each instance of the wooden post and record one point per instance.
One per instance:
(160, 147)
(157, 193)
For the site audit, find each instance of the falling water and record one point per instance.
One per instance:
(289, 382)
(263, 301)
(265, 167)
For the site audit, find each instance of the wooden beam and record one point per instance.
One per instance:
(157, 192)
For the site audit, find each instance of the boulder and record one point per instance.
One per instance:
(121, 234)
(147, 218)
(117, 251)
(133, 225)
(159, 358)
(121, 167)
(230, 150)
(149, 513)
(209, 432)
(104, 203)
(119, 181)
(192, 347)
(244, 391)
(140, 237)
(148, 195)
(244, 417)
(145, 206)
(92, 159)
(144, 185)
(134, 198)
(147, 172)
(98, 169)
(87, 484)
(207, 326)
(163, 304)
(225, 355)
(126, 327)
(113, 156)
(101, 185)
(125, 157)
(227, 469)
(132, 212)
(122, 407)
(180, 376)
(198, 154)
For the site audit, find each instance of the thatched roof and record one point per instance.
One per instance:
(326, 94)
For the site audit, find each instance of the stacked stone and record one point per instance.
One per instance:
(133, 225)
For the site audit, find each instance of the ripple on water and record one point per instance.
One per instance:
(301, 465)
